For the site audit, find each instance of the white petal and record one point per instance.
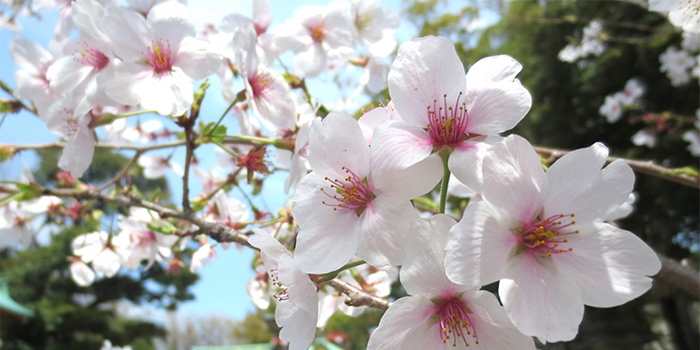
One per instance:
(78, 152)
(425, 70)
(609, 264)
(399, 145)
(514, 180)
(328, 238)
(423, 270)
(495, 99)
(81, 274)
(480, 247)
(409, 183)
(466, 161)
(170, 20)
(336, 142)
(197, 58)
(311, 62)
(298, 326)
(402, 316)
(541, 300)
(384, 226)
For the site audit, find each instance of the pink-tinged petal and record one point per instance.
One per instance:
(171, 21)
(273, 102)
(423, 270)
(541, 300)
(298, 326)
(384, 226)
(399, 145)
(426, 335)
(88, 246)
(328, 238)
(592, 197)
(197, 58)
(514, 180)
(29, 55)
(480, 247)
(262, 15)
(129, 33)
(311, 62)
(67, 73)
(609, 264)
(495, 99)
(399, 321)
(336, 142)
(409, 183)
(467, 159)
(425, 70)
(78, 152)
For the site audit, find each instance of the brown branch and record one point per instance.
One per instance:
(59, 145)
(682, 277)
(644, 167)
(11, 92)
(358, 297)
(122, 173)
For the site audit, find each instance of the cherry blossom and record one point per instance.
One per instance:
(160, 57)
(544, 237)
(612, 108)
(676, 64)
(98, 248)
(266, 91)
(143, 242)
(78, 131)
(17, 219)
(265, 47)
(351, 205)
(371, 21)
(200, 257)
(155, 166)
(297, 302)
(443, 110)
(34, 61)
(440, 314)
(682, 13)
(316, 34)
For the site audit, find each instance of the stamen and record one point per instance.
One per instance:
(350, 193)
(447, 124)
(453, 319)
(544, 237)
(159, 57)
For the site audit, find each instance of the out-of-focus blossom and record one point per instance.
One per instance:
(591, 44)
(372, 21)
(80, 273)
(611, 109)
(676, 64)
(645, 137)
(681, 13)
(143, 242)
(98, 248)
(155, 166)
(693, 138)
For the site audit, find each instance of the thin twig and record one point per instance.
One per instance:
(122, 173)
(59, 145)
(358, 297)
(644, 167)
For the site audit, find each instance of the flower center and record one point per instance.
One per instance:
(92, 56)
(159, 57)
(350, 193)
(318, 32)
(454, 322)
(144, 238)
(548, 236)
(447, 124)
(260, 82)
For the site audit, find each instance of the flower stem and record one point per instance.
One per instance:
(445, 182)
(252, 138)
(333, 274)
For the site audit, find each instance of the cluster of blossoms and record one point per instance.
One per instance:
(591, 44)
(544, 236)
(680, 65)
(616, 103)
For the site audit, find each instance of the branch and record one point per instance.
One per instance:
(358, 297)
(121, 173)
(682, 277)
(59, 145)
(644, 167)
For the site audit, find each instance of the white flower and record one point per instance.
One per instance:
(316, 34)
(155, 166)
(676, 65)
(160, 57)
(439, 314)
(78, 132)
(33, 61)
(611, 109)
(691, 41)
(98, 248)
(543, 236)
(107, 345)
(644, 137)
(142, 242)
(693, 138)
(200, 257)
(354, 204)
(682, 13)
(632, 92)
(297, 303)
(371, 21)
